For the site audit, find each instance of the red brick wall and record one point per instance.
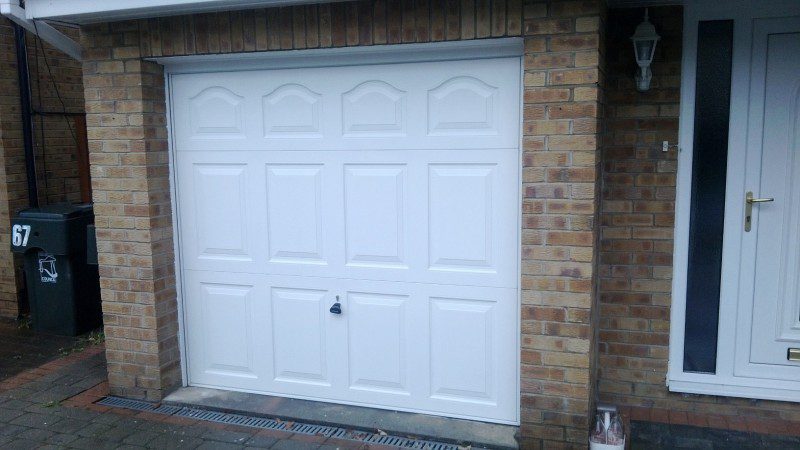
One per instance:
(637, 210)
(638, 205)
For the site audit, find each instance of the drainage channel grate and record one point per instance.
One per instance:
(139, 405)
(274, 424)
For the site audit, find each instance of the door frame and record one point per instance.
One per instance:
(725, 381)
(511, 47)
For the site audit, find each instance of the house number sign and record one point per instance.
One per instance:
(20, 234)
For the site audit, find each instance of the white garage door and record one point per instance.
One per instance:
(391, 189)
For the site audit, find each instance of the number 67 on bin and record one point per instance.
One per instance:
(20, 234)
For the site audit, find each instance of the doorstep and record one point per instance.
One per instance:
(443, 429)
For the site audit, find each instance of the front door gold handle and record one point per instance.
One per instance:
(748, 208)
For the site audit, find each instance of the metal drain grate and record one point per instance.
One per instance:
(138, 405)
(275, 424)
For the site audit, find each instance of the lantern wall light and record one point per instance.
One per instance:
(644, 46)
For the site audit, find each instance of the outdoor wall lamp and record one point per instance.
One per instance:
(644, 44)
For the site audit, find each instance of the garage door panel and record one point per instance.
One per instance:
(292, 111)
(226, 344)
(408, 346)
(295, 213)
(460, 211)
(377, 337)
(462, 105)
(218, 223)
(459, 342)
(223, 328)
(216, 112)
(300, 335)
(462, 344)
(410, 106)
(375, 209)
(221, 207)
(374, 108)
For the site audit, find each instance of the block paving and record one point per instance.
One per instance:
(54, 406)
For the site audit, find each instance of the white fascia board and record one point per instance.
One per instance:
(91, 11)
(49, 34)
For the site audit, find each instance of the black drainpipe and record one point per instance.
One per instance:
(25, 111)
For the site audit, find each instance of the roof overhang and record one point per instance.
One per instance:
(91, 11)
(11, 9)
(643, 3)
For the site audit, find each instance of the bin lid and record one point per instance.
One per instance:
(59, 211)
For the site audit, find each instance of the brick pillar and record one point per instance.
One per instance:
(126, 126)
(562, 95)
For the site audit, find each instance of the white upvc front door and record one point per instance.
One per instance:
(759, 307)
(769, 300)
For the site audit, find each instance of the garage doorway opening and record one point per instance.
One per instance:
(348, 225)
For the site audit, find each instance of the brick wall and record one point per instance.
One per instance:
(11, 154)
(125, 102)
(55, 135)
(638, 205)
(57, 170)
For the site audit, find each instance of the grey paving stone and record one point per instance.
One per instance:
(7, 415)
(93, 429)
(70, 425)
(647, 435)
(50, 447)
(117, 433)
(701, 444)
(61, 439)
(217, 445)
(77, 413)
(140, 437)
(174, 442)
(194, 430)
(293, 445)
(21, 444)
(108, 419)
(22, 393)
(260, 441)
(11, 430)
(35, 420)
(13, 403)
(35, 434)
(55, 394)
(94, 443)
(233, 437)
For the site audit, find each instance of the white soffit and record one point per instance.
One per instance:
(89, 11)
(642, 3)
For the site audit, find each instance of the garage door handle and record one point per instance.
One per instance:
(337, 307)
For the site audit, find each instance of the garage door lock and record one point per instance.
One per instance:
(337, 307)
